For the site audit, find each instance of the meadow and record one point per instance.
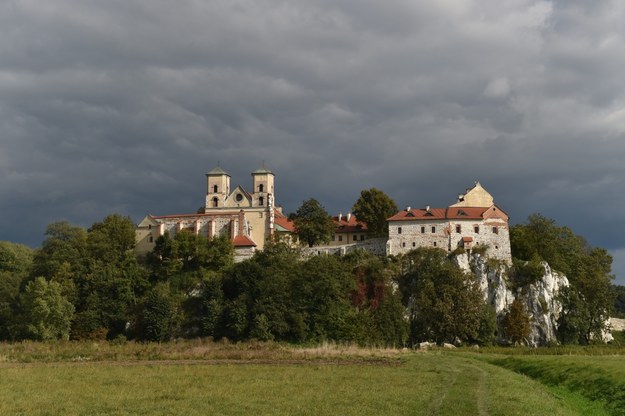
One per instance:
(202, 377)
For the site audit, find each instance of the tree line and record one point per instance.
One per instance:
(88, 284)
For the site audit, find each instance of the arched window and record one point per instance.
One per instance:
(215, 202)
(215, 188)
(261, 188)
(261, 201)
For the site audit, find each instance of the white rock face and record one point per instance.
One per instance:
(540, 298)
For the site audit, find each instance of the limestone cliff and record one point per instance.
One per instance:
(540, 298)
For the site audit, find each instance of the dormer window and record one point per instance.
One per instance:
(261, 188)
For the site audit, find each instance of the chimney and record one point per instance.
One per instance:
(349, 215)
(340, 216)
(408, 208)
(427, 208)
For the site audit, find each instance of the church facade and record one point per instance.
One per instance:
(247, 218)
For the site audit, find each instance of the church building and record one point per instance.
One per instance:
(247, 218)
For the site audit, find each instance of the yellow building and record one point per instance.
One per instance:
(247, 218)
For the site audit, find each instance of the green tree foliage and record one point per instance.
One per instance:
(15, 258)
(46, 314)
(373, 207)
(63, 252)
(312, 223)
(516, 323)
(378, 303)
(176, 259)
(261, 286)
(444, 303)
(487, 331)
(158, 319)
(15, 264)
(322, 295)
(589, 302)
(619, 301)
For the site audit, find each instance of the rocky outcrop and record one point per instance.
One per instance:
(540, 298)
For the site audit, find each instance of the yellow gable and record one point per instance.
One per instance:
(475, 197)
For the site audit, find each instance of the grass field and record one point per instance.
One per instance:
(268, 379)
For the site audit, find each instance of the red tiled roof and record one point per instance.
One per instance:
(243, 241)
(351, 226)
(419, 214)
(460, 213)
(283, 221)
(449, 213)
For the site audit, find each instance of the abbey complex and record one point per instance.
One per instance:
(250, 219)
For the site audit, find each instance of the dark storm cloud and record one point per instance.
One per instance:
(121, 106)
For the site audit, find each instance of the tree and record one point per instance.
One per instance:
(157, 320)
(589, 301)
(444, 303)
(373, 207)
(64, 249)
(321, 293)
(516, 323)
(46, 313)
(313, 224)
(15, 264)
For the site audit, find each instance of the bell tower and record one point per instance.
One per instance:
(262, 185)
(217, 188)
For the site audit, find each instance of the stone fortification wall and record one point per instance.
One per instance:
(448, 235)
(408, 235)
(375, 246)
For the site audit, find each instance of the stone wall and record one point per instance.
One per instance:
(375, 246)
(408, 235)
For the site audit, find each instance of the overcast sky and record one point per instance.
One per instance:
(123, 106)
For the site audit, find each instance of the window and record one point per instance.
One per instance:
(151, 239)
(340, 238)
(495, 230)
(354, 237)
(215, 188)
(476, 229)
(414, 244)
(433, 230)
(149, 226)
(362, 237)
(239, 197)
(261, 201)
(435, 244)
(261, 188)
(403, 244)
(215, 202)
(422, 230)
(458, 228)
(398, 230)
